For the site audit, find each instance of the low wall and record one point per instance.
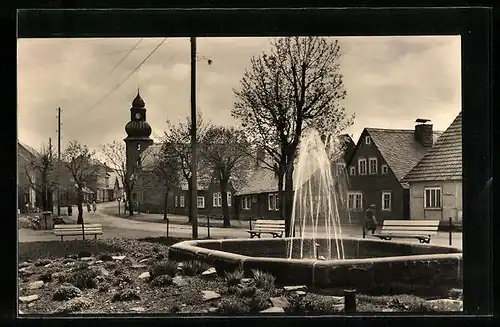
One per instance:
(372, 266)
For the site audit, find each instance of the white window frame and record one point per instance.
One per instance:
(370, 160)
(433, 205)
(384, 169)
(368, 140)
(245, 203)
(202, 198)
(340, 168)
(384, 193)
(229, 199)
(176, 201)
(360, 172)
(352, 171)
(217, 200)
(182, 201)
(273, 202)
(354, 195)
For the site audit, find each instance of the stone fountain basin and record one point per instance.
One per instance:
(371, 266)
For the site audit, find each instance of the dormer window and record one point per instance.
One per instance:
(384, 169)
(352, 171)
(368, 140)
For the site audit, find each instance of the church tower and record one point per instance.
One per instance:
(138, 132)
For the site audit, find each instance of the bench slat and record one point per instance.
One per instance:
(76, 233)
(269, 226)
(411, 223)
(270, 221)
(77, 230)
(76, 226)
(409, 228)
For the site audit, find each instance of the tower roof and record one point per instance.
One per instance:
(138, 101)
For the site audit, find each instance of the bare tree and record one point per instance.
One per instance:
(80, 161)
(225, 149)
(166, 168)
(40, 172)
(116, 156)
(179, 137)
(294, 87)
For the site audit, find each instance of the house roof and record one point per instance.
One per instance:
(349, 146)
(28, 148)
(444, 161)
(148, 156)
(399, 148)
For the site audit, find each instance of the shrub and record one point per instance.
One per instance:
(161, 281)
(164, 267)
(232, 289)
(263, 280)
(125, 295)
(234, 278)
(42, 262)
(66, 292)
(82, 278)
(259, 302)
(123, 279)
(104, 288)
(233, 306)
(105, 257)
(248, 291)
(46, 277)
(193, 268)
(119, 272)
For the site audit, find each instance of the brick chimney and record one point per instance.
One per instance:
(260, 157)
(423, 132)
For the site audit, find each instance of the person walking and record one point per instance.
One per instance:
(370, 220)
(88, 207)
(94, 206)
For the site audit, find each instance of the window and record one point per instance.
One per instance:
(255, 199)
(362, 166)
(245, 204)
(355, 200)
(368, 140)
(176, 201)
(182, 201)
(217, 200)
(200, 202)
(340, 168)
(386, 201)
(273, 202)
(228, 199)
(352, 171)
(384, 169)
(432, 198)
(373, 166)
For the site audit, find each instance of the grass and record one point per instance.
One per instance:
(164, 267)
(193, 268)
(234, 278)
(263, 280)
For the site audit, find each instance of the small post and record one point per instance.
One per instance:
(250, 222)
(208, 226)
(451, 230)
(168, 225)
(364, 232)
(317, 250)
(350, 301)
(119, 200)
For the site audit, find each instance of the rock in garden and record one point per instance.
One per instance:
(99, 261)
(74, 305)
(336, 299)
(295, 288)
(100, 271)
(24, 264)
(445, 305)
(138, 266)
(35, 285)
(246, 280)
(213, 309)
(179, 281)
(301, 293)
(25, 272)
(144, 275)
(144, 260)
(66, 292)
(209, 273)
(321, 257)
(137, 309)
(28, 299)
(273, 310)
(86, 259)
(281, 302)
(210, 295)
(42, 262)
(20, 312)
(118, 257)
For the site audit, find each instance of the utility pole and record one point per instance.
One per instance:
(46, 187)
(58, 160)
(194, 164)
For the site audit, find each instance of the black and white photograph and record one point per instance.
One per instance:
(212, 176)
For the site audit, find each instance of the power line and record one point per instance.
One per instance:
(113, 69)
(125, 79)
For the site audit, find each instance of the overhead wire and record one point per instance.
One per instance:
(117, 86)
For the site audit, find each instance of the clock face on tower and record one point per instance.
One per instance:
(137, 116)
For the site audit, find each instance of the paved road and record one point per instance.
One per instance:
(150, 225)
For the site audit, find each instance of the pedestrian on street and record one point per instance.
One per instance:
(370, 220)
(88, 207)
(94, 206)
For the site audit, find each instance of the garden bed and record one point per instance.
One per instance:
(135, 276)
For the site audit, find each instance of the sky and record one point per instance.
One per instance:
(390, 82)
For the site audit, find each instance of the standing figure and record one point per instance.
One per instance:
(94, 206)
(88, 207)
(370, 220)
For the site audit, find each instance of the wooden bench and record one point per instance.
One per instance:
(76, 230)
(422, 230)
(274, 227)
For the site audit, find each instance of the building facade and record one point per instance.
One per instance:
(26, 194)
(380, 161)
(436, 181)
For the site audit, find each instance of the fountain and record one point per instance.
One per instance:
(320, 256)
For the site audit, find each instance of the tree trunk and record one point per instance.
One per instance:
(188, 200)
(79, 220)
(165, 204)
(280, 194)
(130, 203)
(225, 208)
(288, 201)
